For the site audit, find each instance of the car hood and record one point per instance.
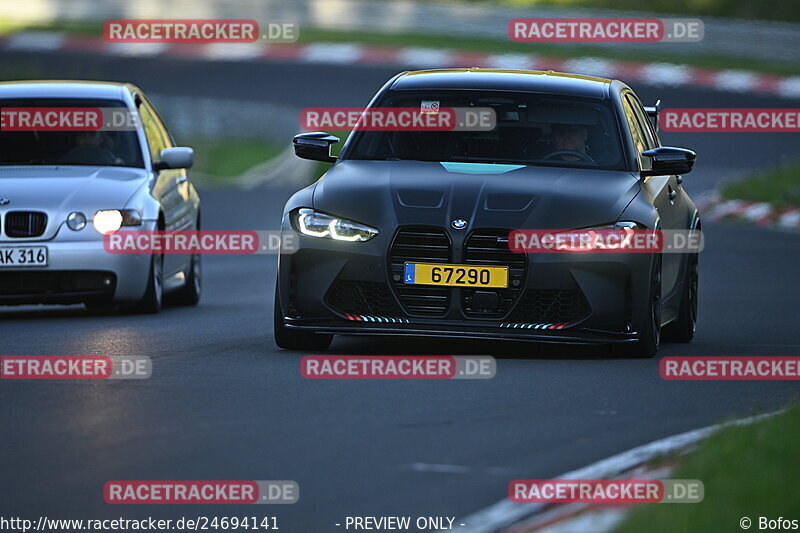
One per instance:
(59, 190)
(392, 193)
(76, 187)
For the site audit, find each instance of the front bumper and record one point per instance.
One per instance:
(353, 288)
(465, 330)
(77, 271)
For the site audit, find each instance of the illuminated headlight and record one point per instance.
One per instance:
(316, 224)
(623, 228)
(76, 221)
(111, 220)
(620, 225)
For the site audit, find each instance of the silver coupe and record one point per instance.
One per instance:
(62, 189)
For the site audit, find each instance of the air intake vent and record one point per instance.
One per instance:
(420, 244)
(362, 298)
(21, 224)
(551, 306)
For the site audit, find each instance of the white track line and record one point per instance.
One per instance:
(36, 41)
(505, 512)
(337, 53)
(136, 49)
(430, 57)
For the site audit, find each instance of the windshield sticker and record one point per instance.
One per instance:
(429, 106)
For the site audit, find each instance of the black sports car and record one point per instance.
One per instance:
(566, 151)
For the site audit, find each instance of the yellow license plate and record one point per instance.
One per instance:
(456, 275)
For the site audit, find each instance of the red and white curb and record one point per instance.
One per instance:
(715, 208)
(656, 74)
(506, 516)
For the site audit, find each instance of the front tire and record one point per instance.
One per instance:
(289, 339)
(682, 330)
(190, 293)
(650, 334)
(153, 298)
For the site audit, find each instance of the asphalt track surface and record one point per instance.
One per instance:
(225, 403)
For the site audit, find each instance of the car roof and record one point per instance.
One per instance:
(548, 82)
(65, 89)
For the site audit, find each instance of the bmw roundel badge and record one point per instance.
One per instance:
(459, 223)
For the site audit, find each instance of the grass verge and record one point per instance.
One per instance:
(221, 161)
(748, 471)
(780, 187)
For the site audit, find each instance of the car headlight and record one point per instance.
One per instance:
(110, 220)
(76, 221)
(626, 224)
(316, 224)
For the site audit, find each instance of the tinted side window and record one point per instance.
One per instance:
(639, 139)
(165, 131)
(650, 137)
(157, 137)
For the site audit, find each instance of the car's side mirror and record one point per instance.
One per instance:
(668, 160)
(176, 157)
(315, 146)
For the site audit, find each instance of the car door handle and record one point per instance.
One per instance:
(672, 194)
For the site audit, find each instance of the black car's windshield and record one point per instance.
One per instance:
(61, 146)
(531, 129)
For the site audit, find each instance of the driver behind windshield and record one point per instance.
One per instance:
(92, 147)
(570, 138)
